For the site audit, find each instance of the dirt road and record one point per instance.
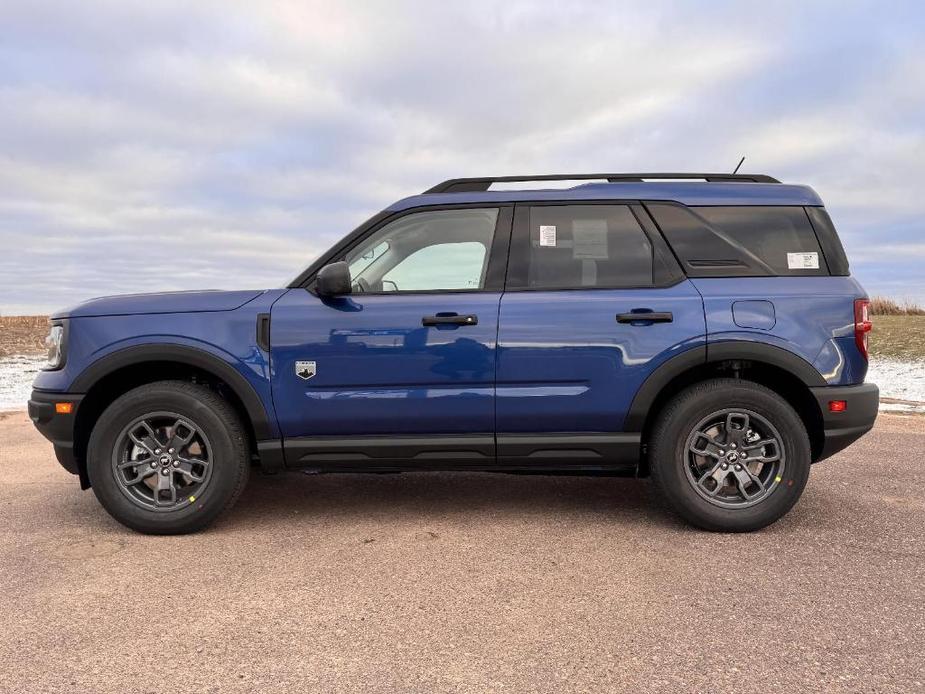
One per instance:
(467, 583)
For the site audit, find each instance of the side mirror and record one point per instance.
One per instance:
(333, 280)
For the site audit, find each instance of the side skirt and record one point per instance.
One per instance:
(546, 453)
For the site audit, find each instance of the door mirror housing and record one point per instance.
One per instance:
(333, 280)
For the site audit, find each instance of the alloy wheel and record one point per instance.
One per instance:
(734, 458)
(162, 461)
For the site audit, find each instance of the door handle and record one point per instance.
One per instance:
(450, 319)
(645, 316)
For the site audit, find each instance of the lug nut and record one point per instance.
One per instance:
(722, 452)
(165, 471)
(176, 463)
(730, 446)
(157, 450)
(153, 464)
(725, 466)
(170, 450)
(738, 467)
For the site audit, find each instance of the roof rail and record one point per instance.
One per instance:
(467, 185)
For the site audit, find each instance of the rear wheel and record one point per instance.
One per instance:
(168, 457)
(730, 455)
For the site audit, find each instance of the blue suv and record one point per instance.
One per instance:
(700, 329)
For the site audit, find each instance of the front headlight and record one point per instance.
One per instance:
(55, 344)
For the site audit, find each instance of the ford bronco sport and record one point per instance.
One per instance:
(701, 329)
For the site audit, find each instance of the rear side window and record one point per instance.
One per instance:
(581, 246)
(741, 241)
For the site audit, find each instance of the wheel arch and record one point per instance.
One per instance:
(119, 372)
(784, 372)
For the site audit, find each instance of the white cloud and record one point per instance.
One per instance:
(251, 136)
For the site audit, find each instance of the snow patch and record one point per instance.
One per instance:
(16, 375)
(899, 380)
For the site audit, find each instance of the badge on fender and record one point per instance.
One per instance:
(305, 369)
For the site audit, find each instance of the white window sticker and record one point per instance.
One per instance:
(590, 239)
(548, 236)
(803, 261)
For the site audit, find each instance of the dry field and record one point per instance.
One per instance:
(898, 337)
(22, 334)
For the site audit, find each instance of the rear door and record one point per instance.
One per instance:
(594, 301)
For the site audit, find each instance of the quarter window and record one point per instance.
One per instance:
(747, 241)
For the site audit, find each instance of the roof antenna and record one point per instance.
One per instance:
(737, 167)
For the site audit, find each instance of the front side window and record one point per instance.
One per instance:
(582, 246)
(426, 251)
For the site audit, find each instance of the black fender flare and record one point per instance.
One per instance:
(190, 356)
(715, 352)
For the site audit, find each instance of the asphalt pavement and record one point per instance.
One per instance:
(449, 582)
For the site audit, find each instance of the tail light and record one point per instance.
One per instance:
(862, 324)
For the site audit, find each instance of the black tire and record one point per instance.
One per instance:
(213, 418)
(673, 464)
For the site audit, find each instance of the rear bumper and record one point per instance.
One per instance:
(841, 429)
(57, 428)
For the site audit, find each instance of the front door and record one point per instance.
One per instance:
(403, 368)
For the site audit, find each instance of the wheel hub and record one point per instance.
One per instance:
(734, 458)
(162, 461)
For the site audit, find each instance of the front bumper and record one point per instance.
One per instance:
(57, 428)
(841, 429)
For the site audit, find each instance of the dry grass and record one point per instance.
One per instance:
(882, 306)
(22, 334)
(898, 337)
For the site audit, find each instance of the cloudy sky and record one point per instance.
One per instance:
(172, 145)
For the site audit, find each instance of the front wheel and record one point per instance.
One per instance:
(168, 457)
(730, 455)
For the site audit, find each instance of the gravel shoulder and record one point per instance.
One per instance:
(467, 582)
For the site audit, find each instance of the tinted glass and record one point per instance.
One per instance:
(426, 251)
(828, 238)
(741, 241)
(574, 246)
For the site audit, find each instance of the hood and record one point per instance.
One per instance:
(162, 302)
